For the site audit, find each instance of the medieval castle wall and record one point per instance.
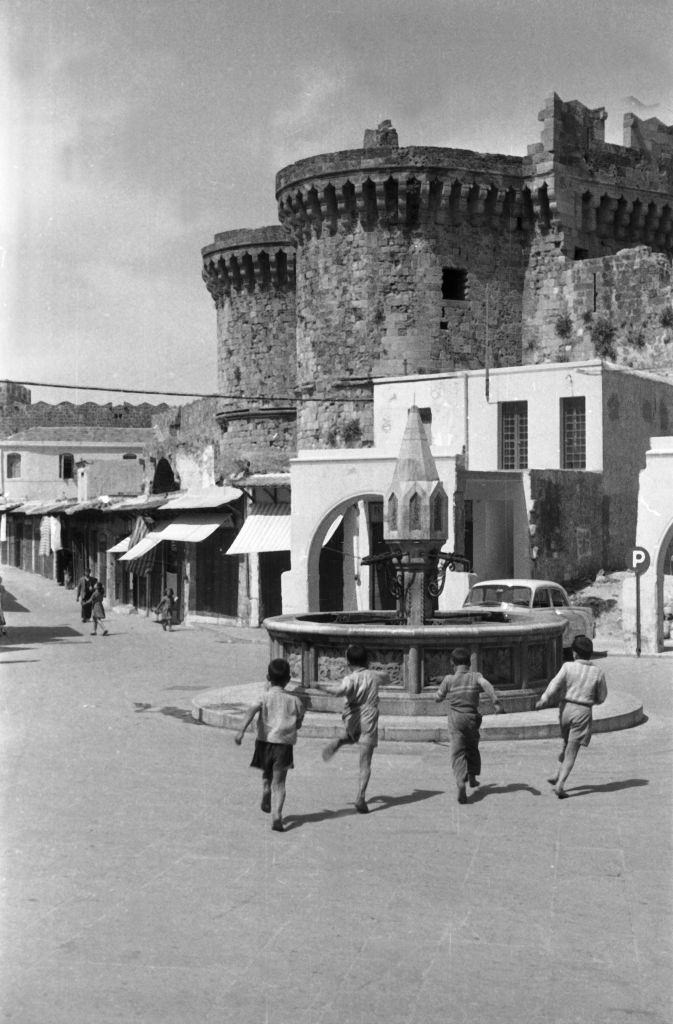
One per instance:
(21, 416)
(394, 260)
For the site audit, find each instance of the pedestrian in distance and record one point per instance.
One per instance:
(3, 624)
(98, 609)
(360, 689)
(279, 717)
(83, 593)
(462, 688)
(578, 685)
(164, 610)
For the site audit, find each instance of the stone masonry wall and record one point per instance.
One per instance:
(569, 524)
(619, 308)
(90, 414)
(369, 304)
(636, 409)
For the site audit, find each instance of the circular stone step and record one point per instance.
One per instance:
(224, 709)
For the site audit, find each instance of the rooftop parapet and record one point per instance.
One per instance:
(573, 133)
(383, 136)
(652, 136)
(570, 127)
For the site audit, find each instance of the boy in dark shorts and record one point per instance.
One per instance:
(579, 685)
(280, 716)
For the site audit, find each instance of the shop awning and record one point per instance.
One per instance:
(120, 546)
(149, 541)
(267, 528)
(188, 529)
(208, 498)
(195, 528)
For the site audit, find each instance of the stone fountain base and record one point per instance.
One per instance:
(517, 658)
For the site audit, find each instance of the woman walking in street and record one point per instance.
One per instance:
(3, 624)
(97, 609)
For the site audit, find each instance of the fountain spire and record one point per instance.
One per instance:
(416, 504)
(416, 510)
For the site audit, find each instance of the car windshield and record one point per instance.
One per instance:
(499, 593)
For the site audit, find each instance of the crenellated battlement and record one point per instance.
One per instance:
(249, 259)
(409, 188)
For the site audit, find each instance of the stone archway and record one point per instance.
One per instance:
(342, 539)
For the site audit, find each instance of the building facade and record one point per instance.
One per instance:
(541, 465)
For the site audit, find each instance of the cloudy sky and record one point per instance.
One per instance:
(137, 129)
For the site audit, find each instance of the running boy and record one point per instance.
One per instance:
(580, 685)
(280, 716)
(462, 690)
(360, 688)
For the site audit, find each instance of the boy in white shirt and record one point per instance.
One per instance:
(579, 685)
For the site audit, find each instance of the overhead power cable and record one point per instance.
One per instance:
(185, 394)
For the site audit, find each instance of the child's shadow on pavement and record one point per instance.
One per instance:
(293, 821)
(606, 787)
(490, 789)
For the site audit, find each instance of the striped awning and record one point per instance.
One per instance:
(267, 528)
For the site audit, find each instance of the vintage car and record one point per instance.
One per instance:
(541, 599)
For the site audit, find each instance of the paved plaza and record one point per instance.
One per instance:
(141, 882)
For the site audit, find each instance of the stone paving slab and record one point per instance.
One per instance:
(140, 882)
(224, 708)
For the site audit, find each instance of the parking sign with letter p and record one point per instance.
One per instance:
(640, 561)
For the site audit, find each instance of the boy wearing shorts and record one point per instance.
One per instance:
(360, 716)
(579, 685)
(280, 715)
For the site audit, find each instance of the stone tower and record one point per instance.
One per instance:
(409, 260)
(251, 277)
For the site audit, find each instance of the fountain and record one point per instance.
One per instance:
(413, 643)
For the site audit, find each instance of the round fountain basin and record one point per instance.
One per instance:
(518, 658)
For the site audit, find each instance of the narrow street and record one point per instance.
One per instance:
(141, 882)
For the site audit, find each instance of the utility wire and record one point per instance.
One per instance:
(186, 394)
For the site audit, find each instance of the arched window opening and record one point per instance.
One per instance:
(392, 512)
(13, 466)
(415, 512)
(66, 466)
(437, 514)
(164, 480)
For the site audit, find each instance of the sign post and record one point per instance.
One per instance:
(640, 561)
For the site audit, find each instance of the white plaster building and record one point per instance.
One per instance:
(42, 462)
(541, 464)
